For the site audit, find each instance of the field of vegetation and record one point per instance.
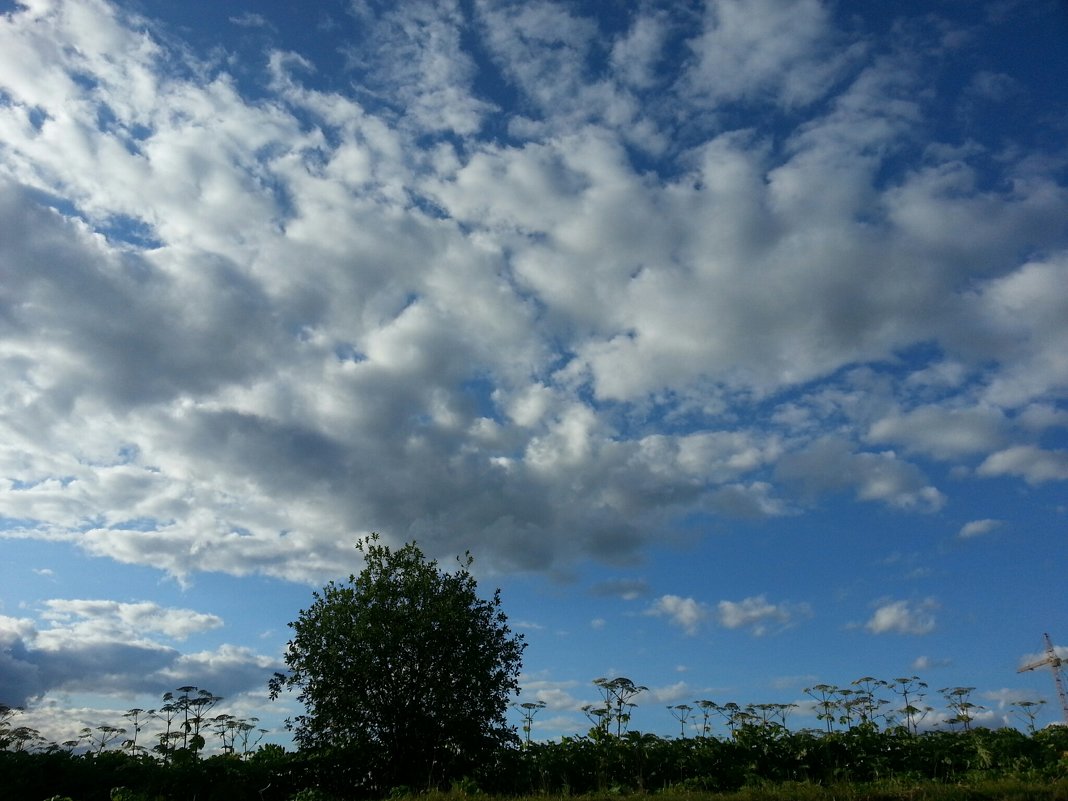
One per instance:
(859, 753)
(754, 763)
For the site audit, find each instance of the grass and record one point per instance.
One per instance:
(895, 790)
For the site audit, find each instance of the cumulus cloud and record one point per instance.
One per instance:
(671, 693)
(977, 528)
(1035, 465)
(943, 432)
(223, 670)
(830, 464)
(686, 613)
(242, 324)
(89, 618)
(903, 617)
(411, 56)
(554, 694)
(767, 50)
(118, 649)
(922, 663)
(759, 615)
(755, 613)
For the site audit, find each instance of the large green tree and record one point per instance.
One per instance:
(405, 666)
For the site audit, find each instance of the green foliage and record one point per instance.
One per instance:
(868, 746)
(405, 668)
(126, 794)
(311, 794)
(757, 762)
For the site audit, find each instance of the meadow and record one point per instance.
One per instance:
(724, 752)
(753, 763)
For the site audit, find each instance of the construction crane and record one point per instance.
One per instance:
(1054, 663)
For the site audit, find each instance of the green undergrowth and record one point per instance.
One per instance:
(1007, 789)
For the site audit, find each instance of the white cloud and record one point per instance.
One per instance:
(125, 620)
(749, 50)
(115, 648)
(977, 528)
(555, 694)
(759, 615)
(903, 617)
(686, 613)
(634, 57)
(1019, 318)
(671, 693)
(922, 663)
(1032, 463)
(941, 432)
(829, 464)
(752, 500)
(250, 20)
(223, 671)
(252, 327)
(412, 56)
(755, 613)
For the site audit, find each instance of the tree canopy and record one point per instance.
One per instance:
(405, 665)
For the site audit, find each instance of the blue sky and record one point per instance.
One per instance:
(729, 337)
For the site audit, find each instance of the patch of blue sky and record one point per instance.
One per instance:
(17, 484)
(427, 205)
(84, 80)
(116, 227)
(490, 85)
(280, 193)
(478, 391)
(128, 452)
(347, 352)
(90, 522)
(34, 569)
(20, 523)
(130, 136)
(37, 117)
(129, 230)
(63, 205)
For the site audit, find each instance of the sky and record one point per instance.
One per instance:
(730, 338)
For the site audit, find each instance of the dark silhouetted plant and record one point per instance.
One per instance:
(682, 713)
(957, 698)
(1028, 712)
(528, 710)
(618, 693)
(912, 692)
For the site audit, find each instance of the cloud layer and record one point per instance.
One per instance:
(125, 649)
(521, 285)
